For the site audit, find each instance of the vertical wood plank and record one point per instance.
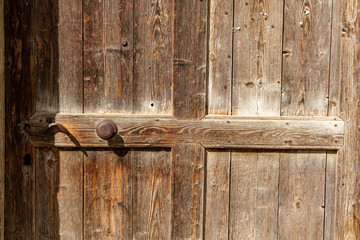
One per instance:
(330, 200)
(306, 54)
(220, 57)
(254, 195)
(257, 57)
(118, 80)
(108, 195)
(217, 194)
(190, 59)
(153, 56)
(152, 194)
(301, 195)
(59, 88)
(2, 119)
(344, 102)
(188, 191)
(19, 87)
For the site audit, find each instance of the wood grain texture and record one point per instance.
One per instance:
(152, 200)
(108, 195)
(217, 194)
(330, 195)
(254, 195)
(188, 191)
(257, 58)
(344, 102)
(59, 88)
(306, 54)
(19, 87)
(2, 120)
(287, 133)
(220, 57)
(301, 195)
(153, 56)
(190, 44)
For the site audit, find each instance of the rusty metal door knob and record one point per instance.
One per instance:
(106, 129)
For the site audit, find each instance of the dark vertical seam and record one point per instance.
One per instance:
(83, 111)
(278, 208)
(207, 57)
(205, 191)
(329, 78)
(232, 57)
(282, 59)
(229, 205)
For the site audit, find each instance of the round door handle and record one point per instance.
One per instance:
(106, 129)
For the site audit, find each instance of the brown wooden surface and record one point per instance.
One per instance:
(189, 95)
(344, 102)
(257, 57)
(281, 133)
(157, 68)
(2, 119)
(19, 86)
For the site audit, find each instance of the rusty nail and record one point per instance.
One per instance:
(124, 43)
(272, 26)
(225, 87)
(226, 12)
(245, 25)
(246, 3)
(229, 56)
(149, 67)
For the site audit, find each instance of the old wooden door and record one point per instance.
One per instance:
(228, 119)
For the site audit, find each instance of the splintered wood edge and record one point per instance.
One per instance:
(286, 133)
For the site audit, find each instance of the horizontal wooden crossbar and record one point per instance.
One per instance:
(211, 132)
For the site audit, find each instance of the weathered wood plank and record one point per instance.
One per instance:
(69, 54)
(254, 195)
(190, 43)
(153, 56)
(288, 133)
(188, 191)
(301, 195)
(2, 120)
(306, 54)
(19, 87)
(217, 194)
(152, 175)
(257, 57)
(330, 191)
(117, 82)
(220, 57)
(59, 88)
(344, 102)
(108, 195)
(47, 185)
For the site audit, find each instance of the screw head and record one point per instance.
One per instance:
(106, 129)
(124, 43)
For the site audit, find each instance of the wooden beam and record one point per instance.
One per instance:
(2, 120)
(230, 132)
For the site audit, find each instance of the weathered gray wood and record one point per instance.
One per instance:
(254, 195)
(220, 57)
(188, 191)
(257, 57)
(287, 133)
(2, 120)
(217, 194)
(301, 195)
(153, 56)
(306, 54)
(190, 24)
(152, 200)
(344, 102)
(19, 84)
(330, 191)
(108, 195)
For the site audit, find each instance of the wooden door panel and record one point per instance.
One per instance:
(148, 66)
